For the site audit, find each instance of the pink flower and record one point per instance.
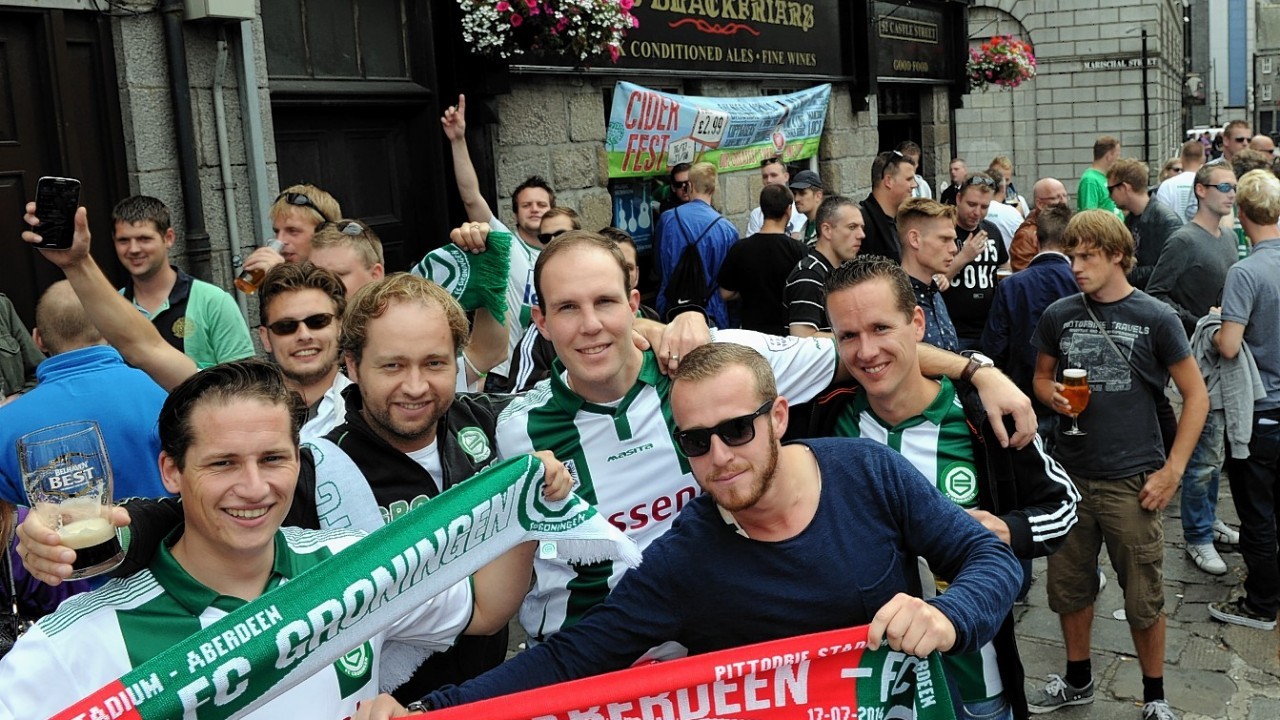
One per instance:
(626, 4)
(635, 21)
(613, 52)
(503, 6)
(560, 26)
(516, 19)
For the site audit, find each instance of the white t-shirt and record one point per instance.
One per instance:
(1006, 218)
(96, 637)
(795, 225)
(624, 461)
(1179, 194)
(330, 413)
(429, 459)
(922, 188)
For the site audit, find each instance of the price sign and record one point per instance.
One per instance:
(709, 126)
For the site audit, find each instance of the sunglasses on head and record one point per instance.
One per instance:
(978, 180)
(1176, 168)
(350, 227)
(289, 327)
(1222, 187)
(299, 199)
(545, 238)
(733, 432)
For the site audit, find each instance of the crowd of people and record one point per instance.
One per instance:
(897, 364)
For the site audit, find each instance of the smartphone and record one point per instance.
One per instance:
(56, 201)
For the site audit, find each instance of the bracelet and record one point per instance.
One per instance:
(417, 706)
(472, 366)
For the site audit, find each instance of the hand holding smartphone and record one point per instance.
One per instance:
(56, 201)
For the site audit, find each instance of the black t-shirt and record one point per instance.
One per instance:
(757, 268)
(806, 292)
(974, 288)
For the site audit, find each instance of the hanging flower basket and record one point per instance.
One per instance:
(1003, 60)
(581, 31)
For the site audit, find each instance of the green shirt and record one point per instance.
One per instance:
(1091, 193)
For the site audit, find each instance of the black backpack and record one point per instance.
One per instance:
(687, 289)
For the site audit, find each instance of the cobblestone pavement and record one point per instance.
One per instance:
(1212, 669)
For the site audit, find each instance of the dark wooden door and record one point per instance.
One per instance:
(59, 115)
(354, 109)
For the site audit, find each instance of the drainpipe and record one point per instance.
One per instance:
(197, 238)
(224, 160)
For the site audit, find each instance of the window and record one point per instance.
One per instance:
(1266, 66)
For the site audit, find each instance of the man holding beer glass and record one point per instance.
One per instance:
(1122, 346)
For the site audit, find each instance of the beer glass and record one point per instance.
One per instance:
(1075, 388)
(249, 280)
(67, 475)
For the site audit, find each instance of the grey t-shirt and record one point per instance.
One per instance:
(1123, 432)
(1150, 231)
(1191, 272)
(1252, 298)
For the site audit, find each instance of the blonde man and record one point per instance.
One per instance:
(351, 250)
(296, 214)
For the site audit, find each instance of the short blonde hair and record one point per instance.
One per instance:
(1102, 230)
(1258, 196)
(711, 360)
(372, 300)
(702, 178)
(365, 243)
(916, 211)
(320, 206)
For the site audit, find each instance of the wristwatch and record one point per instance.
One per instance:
(977, 361)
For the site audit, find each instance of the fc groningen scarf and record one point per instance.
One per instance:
(351, 597)
(475, 281)
(824, 676)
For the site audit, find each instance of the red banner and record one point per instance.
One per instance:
(825, 676)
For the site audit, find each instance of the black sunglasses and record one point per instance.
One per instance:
(545, 238)
(978, 180)
(289, 327)
(301, 200)
(1242, 139)
(682, 185)
(1222, 187)
(1113, 187)
(734, 432)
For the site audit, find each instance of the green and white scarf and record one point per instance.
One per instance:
(475, 281)
(396, 568)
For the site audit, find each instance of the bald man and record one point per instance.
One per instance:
(84, 379)
(1263, 143)
(1025, 245)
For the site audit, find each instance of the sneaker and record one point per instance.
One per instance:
(1207, 558)
(1238, 612)
(1158, 710)
(1058, 693)
(1224, 534)
(1102, 580)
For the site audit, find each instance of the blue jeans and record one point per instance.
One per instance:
(1253, 487)
(993, 709)
(1200, 482)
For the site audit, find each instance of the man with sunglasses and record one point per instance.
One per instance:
(1151, 223)
(1092, 191)
(1178, 192)
(1190, 277)
(1236, 136)
(1020, 495)
(196, 317)
(770, 546)
(893, 178)
(296, 215)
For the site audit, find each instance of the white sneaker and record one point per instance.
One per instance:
(1207, 559)
(1223, 533)
(1102, 580)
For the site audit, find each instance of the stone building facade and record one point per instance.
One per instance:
(1089, 83)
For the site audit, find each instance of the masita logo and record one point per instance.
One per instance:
(474, 443)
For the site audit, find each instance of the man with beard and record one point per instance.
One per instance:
(769, 540)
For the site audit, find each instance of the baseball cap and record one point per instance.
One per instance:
(804, 180)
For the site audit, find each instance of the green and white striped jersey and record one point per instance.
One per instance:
(624, 461)
(96, 637)
(521, 296)
(937, 443)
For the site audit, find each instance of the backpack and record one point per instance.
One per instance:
(687, 289)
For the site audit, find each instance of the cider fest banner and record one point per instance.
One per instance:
(650, 131)
(824, 676)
